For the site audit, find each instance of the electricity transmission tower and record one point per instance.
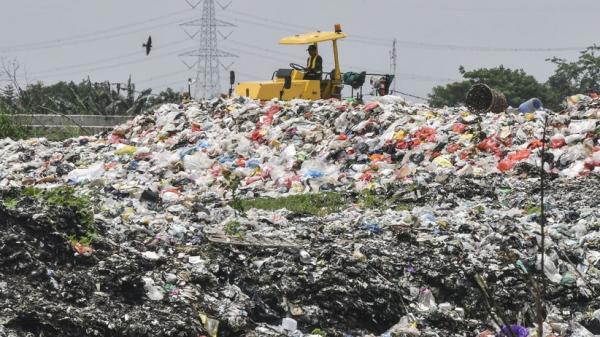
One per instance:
(208, 62)
(393, 63)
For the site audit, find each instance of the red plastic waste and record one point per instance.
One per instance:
(366, 176)
(506, 165)
(451, 148)
(557, 142)
(370, 106)
(459, 128)
(196, 127)
(426, 134)
(519, 155)
(465, 154)
(257, 135)
(241, 162)
(489, 145)
(534, 144)
(115, 138)
(270, 113)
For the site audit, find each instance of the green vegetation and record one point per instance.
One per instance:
(317, 204)
(320, 204)
(516, 85)
(234, 228)
(232, 183)
(10, 203)
(532, 209)
(64, 197)
(479, 209)
(56, 134)
(84, 98)
(579, 76)
(569, 78)
(369, 199)
(61, 197)
(9, 129)
(318, 331)
(69, 98)
(85, 240)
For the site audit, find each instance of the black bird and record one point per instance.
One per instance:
(148, 45)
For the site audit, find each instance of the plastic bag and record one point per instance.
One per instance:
(197, 162)
(92, 173)
(506, 165)
(517, 331)
(582, 126)
(125, 150)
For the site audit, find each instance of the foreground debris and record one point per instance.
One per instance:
(232, 217)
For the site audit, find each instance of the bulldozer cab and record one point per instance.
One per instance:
(291, 83)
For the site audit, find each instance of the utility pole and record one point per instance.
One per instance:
(208, 54)
(393, 63)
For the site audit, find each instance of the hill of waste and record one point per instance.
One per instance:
(234, 217)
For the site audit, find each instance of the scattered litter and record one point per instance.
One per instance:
(229, 216)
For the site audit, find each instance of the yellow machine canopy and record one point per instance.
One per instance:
(313, 37)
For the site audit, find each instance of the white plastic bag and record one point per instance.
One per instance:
(91, 173)
(198, 161)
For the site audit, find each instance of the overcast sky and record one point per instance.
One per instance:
(70, 39)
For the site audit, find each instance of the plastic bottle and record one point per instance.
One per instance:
(530, 105)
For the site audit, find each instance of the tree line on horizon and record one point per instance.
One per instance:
(102, 98)
(569, 78)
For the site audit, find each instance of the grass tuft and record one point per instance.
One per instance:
(317, 204)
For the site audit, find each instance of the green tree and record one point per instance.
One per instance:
(450, 95)
(8, 97)
(576, 77)
(516, 85)
(8, 128)
(89, 98)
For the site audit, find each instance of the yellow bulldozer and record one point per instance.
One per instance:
(287, 84)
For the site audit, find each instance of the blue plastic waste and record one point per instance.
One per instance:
(253, 163)
(186, 152)
(314, 174)
(133, 165)
(531, 105)
(203, 144)
(226, 158)
(517, 331)
(373, 228)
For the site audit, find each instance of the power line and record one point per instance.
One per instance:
(91, 39)
(378, 41)
(452, 47)
(75, 38)
(271, 55)
(161, 76)
(409, 95)
(118, 57)
(115, 65)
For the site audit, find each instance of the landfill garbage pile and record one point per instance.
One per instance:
(241, 218)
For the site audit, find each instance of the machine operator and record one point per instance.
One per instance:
(314, 64)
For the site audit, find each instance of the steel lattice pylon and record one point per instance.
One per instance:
(208, 54)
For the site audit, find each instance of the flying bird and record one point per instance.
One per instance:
(148, 45)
